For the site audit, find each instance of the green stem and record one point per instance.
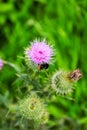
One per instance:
(12, 65)
(69, 98)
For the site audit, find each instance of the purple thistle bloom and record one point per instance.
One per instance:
(1, 64)
(39, 52)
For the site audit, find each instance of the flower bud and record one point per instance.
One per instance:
(33, 108)
(63, 82)
(60, 82)
(30, 107)
(44, 116)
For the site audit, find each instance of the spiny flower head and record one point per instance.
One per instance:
(60, 82)
(32, 108)
(63, 82)
(1, 64)
(39, 52)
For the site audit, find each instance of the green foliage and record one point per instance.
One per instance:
(63, 22)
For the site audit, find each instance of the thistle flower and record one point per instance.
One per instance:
(1, 64)
(39, 52)
(60, 83)
(32, 108)
(63, 82)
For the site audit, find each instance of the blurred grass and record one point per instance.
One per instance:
(61, 22)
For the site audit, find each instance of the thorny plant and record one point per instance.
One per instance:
(40, 85)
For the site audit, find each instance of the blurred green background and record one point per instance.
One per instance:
(64, 24)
